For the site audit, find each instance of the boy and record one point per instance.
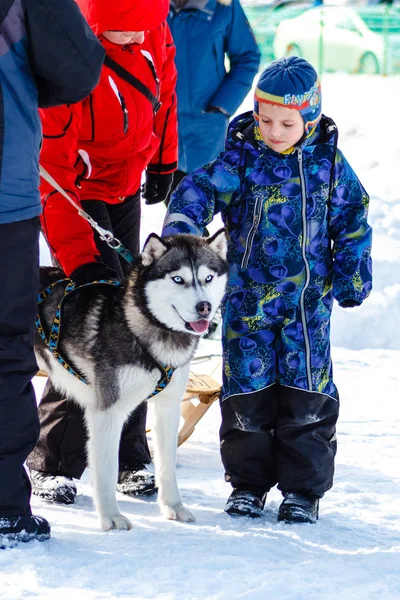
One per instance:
(296, 219)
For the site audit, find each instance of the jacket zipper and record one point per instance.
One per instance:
(252, 233)
(121, 100)
(307, 267)
(125, 111)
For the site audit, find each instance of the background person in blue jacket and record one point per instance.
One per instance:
(296, 219)
(48, 56)
(205, 32)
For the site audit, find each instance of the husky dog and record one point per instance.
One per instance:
(116, 337)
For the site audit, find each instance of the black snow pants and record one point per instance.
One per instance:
(61, 448)
(178, 176)
(19, 424)
(279, 435)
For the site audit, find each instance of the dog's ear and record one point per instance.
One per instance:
(218, 243)
(153, 249)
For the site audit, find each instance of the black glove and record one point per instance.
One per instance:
(349, 303)
(93, 271)
(157, 187)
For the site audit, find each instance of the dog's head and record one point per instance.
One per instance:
(184, 279)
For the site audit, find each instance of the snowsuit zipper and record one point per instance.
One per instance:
(307, 267)
(252, 232)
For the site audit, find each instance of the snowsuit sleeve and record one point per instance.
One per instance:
(200, 196)
(65, 54)
(244, 57)
(69, 236)
(351, 235)
(165, 160)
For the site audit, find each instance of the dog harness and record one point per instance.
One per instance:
(53, 339)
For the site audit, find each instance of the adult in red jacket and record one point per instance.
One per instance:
(97, 150)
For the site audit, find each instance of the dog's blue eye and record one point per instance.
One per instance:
(177, 279)
(209, 278)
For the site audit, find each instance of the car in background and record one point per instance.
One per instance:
(264, 17)
(339, 38)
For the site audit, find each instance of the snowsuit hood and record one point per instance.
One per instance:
(124, 15)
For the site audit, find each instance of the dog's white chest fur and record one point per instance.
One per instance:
(135, 385)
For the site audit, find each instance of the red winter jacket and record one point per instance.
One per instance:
(97, 149)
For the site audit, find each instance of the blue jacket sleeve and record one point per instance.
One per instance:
(65, 54)
(351, 236)
(201, 195)
(244, 57)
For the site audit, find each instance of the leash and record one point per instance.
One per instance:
(53, 338)
(105, 235)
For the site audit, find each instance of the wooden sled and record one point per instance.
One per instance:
(201, 392)
(206, 391)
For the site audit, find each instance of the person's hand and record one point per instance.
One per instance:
(92, 271)
(157, 187)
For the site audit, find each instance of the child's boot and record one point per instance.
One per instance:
(298, 508)
(245, 503)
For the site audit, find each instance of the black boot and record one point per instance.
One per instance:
(245, 503)
(22, 529)
(298, 508)
(137, 483)
(52, 487)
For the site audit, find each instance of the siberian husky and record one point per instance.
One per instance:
(115, 339)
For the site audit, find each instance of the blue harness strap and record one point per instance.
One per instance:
(166, 375)
(53, 339)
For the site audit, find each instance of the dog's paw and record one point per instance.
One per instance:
(177, 512)
(115, 522)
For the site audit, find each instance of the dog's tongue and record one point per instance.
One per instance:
(200, 326)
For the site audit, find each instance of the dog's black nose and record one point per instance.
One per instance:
(203, 308)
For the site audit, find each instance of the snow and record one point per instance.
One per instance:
(353, 551)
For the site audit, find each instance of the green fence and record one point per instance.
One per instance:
(346, 38)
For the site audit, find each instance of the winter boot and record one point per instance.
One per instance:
(298, 508)
(137, 483)
(245, 503)
(22, 529)
(55, 488)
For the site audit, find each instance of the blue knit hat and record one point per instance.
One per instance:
(291, 82)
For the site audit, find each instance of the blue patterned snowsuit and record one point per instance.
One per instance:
(298, 238)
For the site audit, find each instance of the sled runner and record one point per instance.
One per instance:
(200, 394)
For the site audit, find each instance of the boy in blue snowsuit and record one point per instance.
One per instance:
(296, 221)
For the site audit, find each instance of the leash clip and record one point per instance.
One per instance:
(105, 235)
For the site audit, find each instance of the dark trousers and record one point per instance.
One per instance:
(61, 447)
(178, 176)
(19, 425)
(279, 435)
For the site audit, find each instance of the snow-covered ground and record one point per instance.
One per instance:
(354, 550)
